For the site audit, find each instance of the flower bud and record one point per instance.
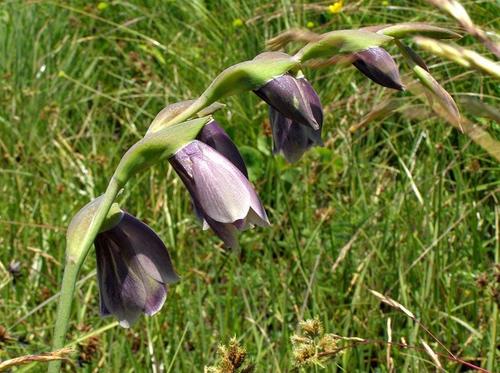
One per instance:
(292, 138)
(379, 66)
(287, 96)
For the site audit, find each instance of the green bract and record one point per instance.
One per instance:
(249, 75)
(403, 30)
(157, 146)
(341, 41)
(244, 76)
(80, 223)
(173, 110)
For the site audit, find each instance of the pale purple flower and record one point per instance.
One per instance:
(291, 138)
(133, 270)
(214, 135)
(379, 66)
(289, 97)
(222, 196)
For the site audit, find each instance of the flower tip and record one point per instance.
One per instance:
(379, 66)
(312, 122)
(173, 278)
(125, 324)
(155, 301)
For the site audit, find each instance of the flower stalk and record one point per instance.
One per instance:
(74, 262)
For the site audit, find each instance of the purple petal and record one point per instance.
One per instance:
(149, 250)
(120, 295)
(286, 95)
(222, 196)
(314, 102)
(379, 66)
(218, 188)
(214, 136)
(133, 266)
(257, 216)
(157, 294)
(290, 138)
(226, 232)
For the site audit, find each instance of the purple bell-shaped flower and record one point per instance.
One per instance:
(133, 270)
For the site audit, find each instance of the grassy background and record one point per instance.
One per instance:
(411, 200)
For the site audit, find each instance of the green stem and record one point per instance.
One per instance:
(74, 262)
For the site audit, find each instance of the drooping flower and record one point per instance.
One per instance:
(379, 66)
(288, 96)
(291, 138)
(133, 270)
(214, 135)
(222, 195)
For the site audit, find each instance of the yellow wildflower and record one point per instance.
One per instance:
(336, 7)
(102, 5)
(238, 22)
(385, 3)
(310, 24)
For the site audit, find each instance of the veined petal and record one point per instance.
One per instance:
(290, 138)
(133, 266)
(157, 294)
(222, 196)
(122, 294)
(379, 66)
(214, 136)
(227, 232)
(314, 102)
(149, 250)
(221, 189)
(285, 94)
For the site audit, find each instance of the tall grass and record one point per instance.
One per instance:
(410, 202)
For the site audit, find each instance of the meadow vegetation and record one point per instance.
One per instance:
(405, 205)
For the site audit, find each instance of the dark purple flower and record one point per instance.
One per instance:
(292, 138)
(379, 66)
(289, 97)
(133, 269)
(214, 135)
(222, 196)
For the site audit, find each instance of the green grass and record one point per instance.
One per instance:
(414, 200)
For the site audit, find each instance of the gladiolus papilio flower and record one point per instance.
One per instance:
(287, 95)
(222, 196)
(291, 138)
(133, 270)
(379, 66)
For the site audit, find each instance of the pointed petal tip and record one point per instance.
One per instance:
(314, 124)
(173, 278)
(156, 300)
